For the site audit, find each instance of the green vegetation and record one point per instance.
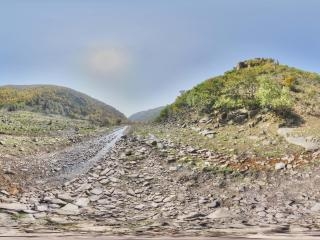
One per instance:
(23, 133)
(254, 84)
(58, 100)
(273, 96)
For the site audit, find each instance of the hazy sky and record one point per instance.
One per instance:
(138, 54)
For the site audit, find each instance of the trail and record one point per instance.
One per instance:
(78, 159)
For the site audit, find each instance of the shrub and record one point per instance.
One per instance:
(273, 96)
(164, 114)
(289, 81)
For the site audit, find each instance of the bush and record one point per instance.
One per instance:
(164, 114)
(273, 96)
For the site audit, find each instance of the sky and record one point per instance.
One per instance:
(138, 54)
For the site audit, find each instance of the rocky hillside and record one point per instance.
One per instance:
(146, 116)
(254, 87)
(58, 100)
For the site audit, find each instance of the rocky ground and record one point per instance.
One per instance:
(140, 187)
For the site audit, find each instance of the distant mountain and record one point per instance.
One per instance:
(259, 85)
(146, 116)
(59, 100)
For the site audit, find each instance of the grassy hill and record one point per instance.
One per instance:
(254, 86)
(146, 116)
(58, 100)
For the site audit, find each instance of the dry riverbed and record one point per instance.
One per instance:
(136, 185)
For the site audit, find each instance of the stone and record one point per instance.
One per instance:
(169, 199)
(220, 213)
(139, 207)
(191, 150)
(160, 146)
(215, 204)
(114, 180)
(204, 120)
(6, 220)
(69, 209)
(128, 152)
(105, 171)
(9, 172)
(17, 207)
(27, 218)
(315, 207)
(58, 220)
(54, 201)
(65, 197)
(41, 208)
(104, 181)
(280, 166)
(82, 202)
(96, 191)
(192, 215)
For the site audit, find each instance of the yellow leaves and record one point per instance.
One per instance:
(288, 81)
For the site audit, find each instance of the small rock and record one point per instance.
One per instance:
(280, 166)
(139, 207)
(215, 204)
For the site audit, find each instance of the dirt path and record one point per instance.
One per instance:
(78, 159)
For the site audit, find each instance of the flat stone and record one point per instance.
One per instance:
(82, 202)
(69, 209)
(54, 201)
(96, 191)
(83, 187)
(114, 180)
(220, 213)
(192, 215)
(65, 197)
(18, 207)
(28, 218)
(58, 220)
(139, 207)
(169, 199)
(41, 208)
(105, 171)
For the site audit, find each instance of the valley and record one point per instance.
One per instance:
(236, 156)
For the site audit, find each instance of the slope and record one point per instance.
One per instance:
(58, 100)
(146, 116)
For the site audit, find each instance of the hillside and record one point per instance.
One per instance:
(254, 86)
(146, 116)
(58, 100)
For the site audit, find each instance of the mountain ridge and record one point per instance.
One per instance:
(53, 99)
(146, 115)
